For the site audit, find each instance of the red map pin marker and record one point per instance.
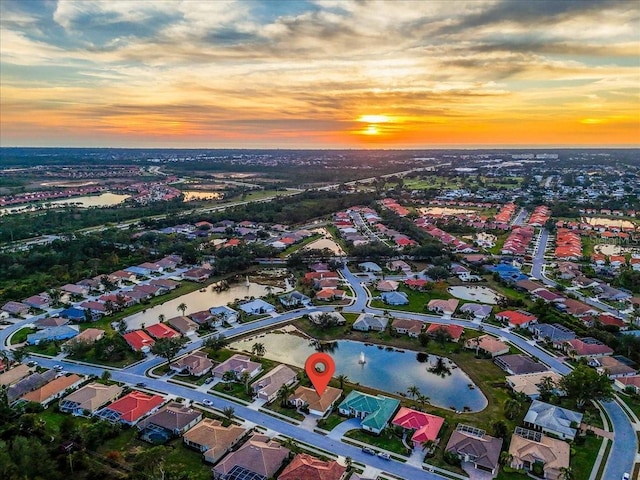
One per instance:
(320, 368)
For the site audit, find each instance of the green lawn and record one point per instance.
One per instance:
(49, 349)
(584, 457)
(20, 336)
(633, 402)
(386, 440)
(331, 422)
(417, 300)
(287, 412)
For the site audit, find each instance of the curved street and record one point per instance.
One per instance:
(621, 458)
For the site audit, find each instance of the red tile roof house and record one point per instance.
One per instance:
(455, 331)
(517, 319)
(306, 467)
(426, 426)
(631, 383)
(446, 307)
(160, 330)
(586, 347)
(38, 301)
(139, 341)
(418, 284)
(131, 408)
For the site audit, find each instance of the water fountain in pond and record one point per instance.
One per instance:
(362, 360)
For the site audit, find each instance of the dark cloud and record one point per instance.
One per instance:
(533, 14)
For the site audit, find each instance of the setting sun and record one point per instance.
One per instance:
(373, 118)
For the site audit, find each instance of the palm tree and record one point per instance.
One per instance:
(258, 349)
(182, 308)
(566, 473)
(413, 391)
(228, 412)
(342, 378)
(228, 377)
(284, 392)
(244, 378)
(512, 408)
(422, 400)
(506, 458)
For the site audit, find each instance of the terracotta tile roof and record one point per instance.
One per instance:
(306, 467)
(52, 388)
(135, 405)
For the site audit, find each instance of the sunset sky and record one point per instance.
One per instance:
(319, 74)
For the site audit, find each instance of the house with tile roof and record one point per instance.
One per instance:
(318, 405)
(29, 384)
(89, 398)
(223, 314)
(367, 323)
(260, 455)
(446, 307)
(454, 332)
(576, 308)
(161, 330)
(256, 307)
(213, 439)
(529, 448)
(294, 299)
(518, 364)
(407, 326)
(14, 374)
(306, 467)
(529, 383)
(139, 341)
(267, 386)
(612, 367)
(196, 364)
(632, 383)
(172, 420)
(475, 446)
(425, 426)
(88, 336)
(553, 420)
(375, 412)
(586, 347)
(488, 345)
(395, 298)
(63, 332)
(131, 408)
(555, 333)
(184, 325)
(53, 389)
(479, 312)
(238, 364)
(516, 319)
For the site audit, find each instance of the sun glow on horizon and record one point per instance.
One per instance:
(374, 118)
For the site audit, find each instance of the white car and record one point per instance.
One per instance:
(57, 367)
(626, 476)
(209, 403)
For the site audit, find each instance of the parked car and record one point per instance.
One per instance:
(141, 384)
(384, 455)
(58, 367)
(207, 402)
(368, 450)
(626, 476)
(209, 380)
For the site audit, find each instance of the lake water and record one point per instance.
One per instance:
(608, 222)
(196, 302)
(201, 195)
(389, 371)
(444, 211)
(107, 199)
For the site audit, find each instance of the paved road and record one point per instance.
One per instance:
(537, 270)
(623, 450)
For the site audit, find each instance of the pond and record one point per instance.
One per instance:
(444, 211)
(386, 369)
(190, 195)
(196, 302)
(608, 222)
(103, 200)
(476, 294)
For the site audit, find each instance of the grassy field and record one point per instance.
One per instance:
(287, 412)
(417, 300)
(584, 457)
(386, 440)
(20, 336)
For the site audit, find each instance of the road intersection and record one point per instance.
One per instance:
(622, 454)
